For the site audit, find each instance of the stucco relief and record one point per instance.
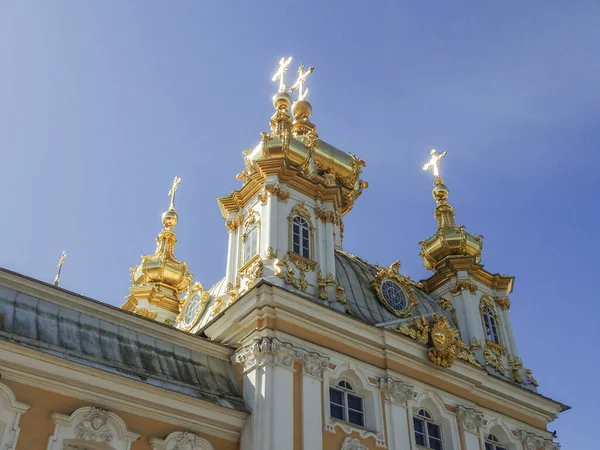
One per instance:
(93, 425)
(353, 444)
(470, 418)
(396, 391)
(181, 440)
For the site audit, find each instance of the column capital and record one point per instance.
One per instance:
(470, 419)
(396, 391)
(275, 352)
(532, 441)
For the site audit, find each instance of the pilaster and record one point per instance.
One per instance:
(469, 421)
(312, 392)
(396, 395)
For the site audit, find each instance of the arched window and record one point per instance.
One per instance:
(490, 324)
(250, 240)
(345, 404)
(493, 443)
(301, 236)
(428, 434)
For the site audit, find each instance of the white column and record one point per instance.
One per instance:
(469, 421)
(509, 333)
(230, 268)
(312, 401)
(396, 394)
(268, 384)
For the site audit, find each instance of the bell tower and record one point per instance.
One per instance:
(285, 222)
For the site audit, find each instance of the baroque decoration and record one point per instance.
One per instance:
(470, 419)
(444, 339)
(353, 444)
(192, 307)
(406, 284)
(181, 440)
(396, 391)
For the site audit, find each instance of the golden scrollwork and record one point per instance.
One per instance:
(218, 306)
(196, 288)
(448, 306)
(299, 282)
(475, 344)
(323, 282)
(340, 296)
(516, 365)
(444, 340)
(233, 224)
(407, 285)
(503, 303)
(330, 216)
(493, 358)
(530, 379)
(252, 272)
(270, 253)
(466, 354)
(462, 285)
(303, 264)
(300, 210)
(146, 313)
(281, 266)
(417, 329)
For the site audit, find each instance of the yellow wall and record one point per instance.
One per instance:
(37, 426)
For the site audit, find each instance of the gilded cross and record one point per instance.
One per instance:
(60, 264)
(283, 67)
(299, 84)
(176, 182)
(434, 162)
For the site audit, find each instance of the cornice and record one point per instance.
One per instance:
(448, 269)
(278, 309)
(28, 366)
(76, 302)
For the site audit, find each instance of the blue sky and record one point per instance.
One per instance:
(102, 103)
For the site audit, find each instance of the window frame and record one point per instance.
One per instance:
(251, 228)
(304, 233)
(426, 418)
(494, 442)
(489, 316)
(345, 388)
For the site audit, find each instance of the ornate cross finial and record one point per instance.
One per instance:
(60, 264)
(434, 162)
(283, 67)
(299, 84)
(176, 182)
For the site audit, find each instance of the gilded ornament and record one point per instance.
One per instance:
(407, 285)
(270, 254)
(330, 216)
(323, 283)
(475, 344)
(281, 268)
(466, 354)
(462, 285)
(516, 365)
(146, 313)
(186, 323)
(299, 84)
(252, 272)
(445, 347)
(417, 329)
(503, 303)
(274, 190)
(445, 303)
(530, 379)
(217, 307)
(493, 360)
(303, 264)
(284, 63)
(233, 224)
(300, 210)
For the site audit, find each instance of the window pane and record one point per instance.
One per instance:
(355, 403)
(435, 444)
(433, 430)
(500, 448)
(418, 425)
(356, 418)
(336, 396)
(337, 412)
(420, 438)
(489, 446)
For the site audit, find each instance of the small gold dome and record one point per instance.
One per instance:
(169, 219)
(282, 101)
(450, 239)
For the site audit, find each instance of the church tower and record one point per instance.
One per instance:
(285, 222)
(160, 279)
(477, 298)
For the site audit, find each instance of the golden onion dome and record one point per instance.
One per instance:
(162, 268)
(449, 239)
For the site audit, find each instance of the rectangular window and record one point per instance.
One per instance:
(336, 400)
(251, 244)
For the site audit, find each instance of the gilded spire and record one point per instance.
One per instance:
(302, 109)
(450, 239)
(281, 121)
(162, 271)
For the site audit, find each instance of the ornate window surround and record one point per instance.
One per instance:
(10, 414)
(486, 301)
(91, 427)
(252, 219)
(435, 406)
(502, 432)
(181, 440)
(372, 404)
(300, 210)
